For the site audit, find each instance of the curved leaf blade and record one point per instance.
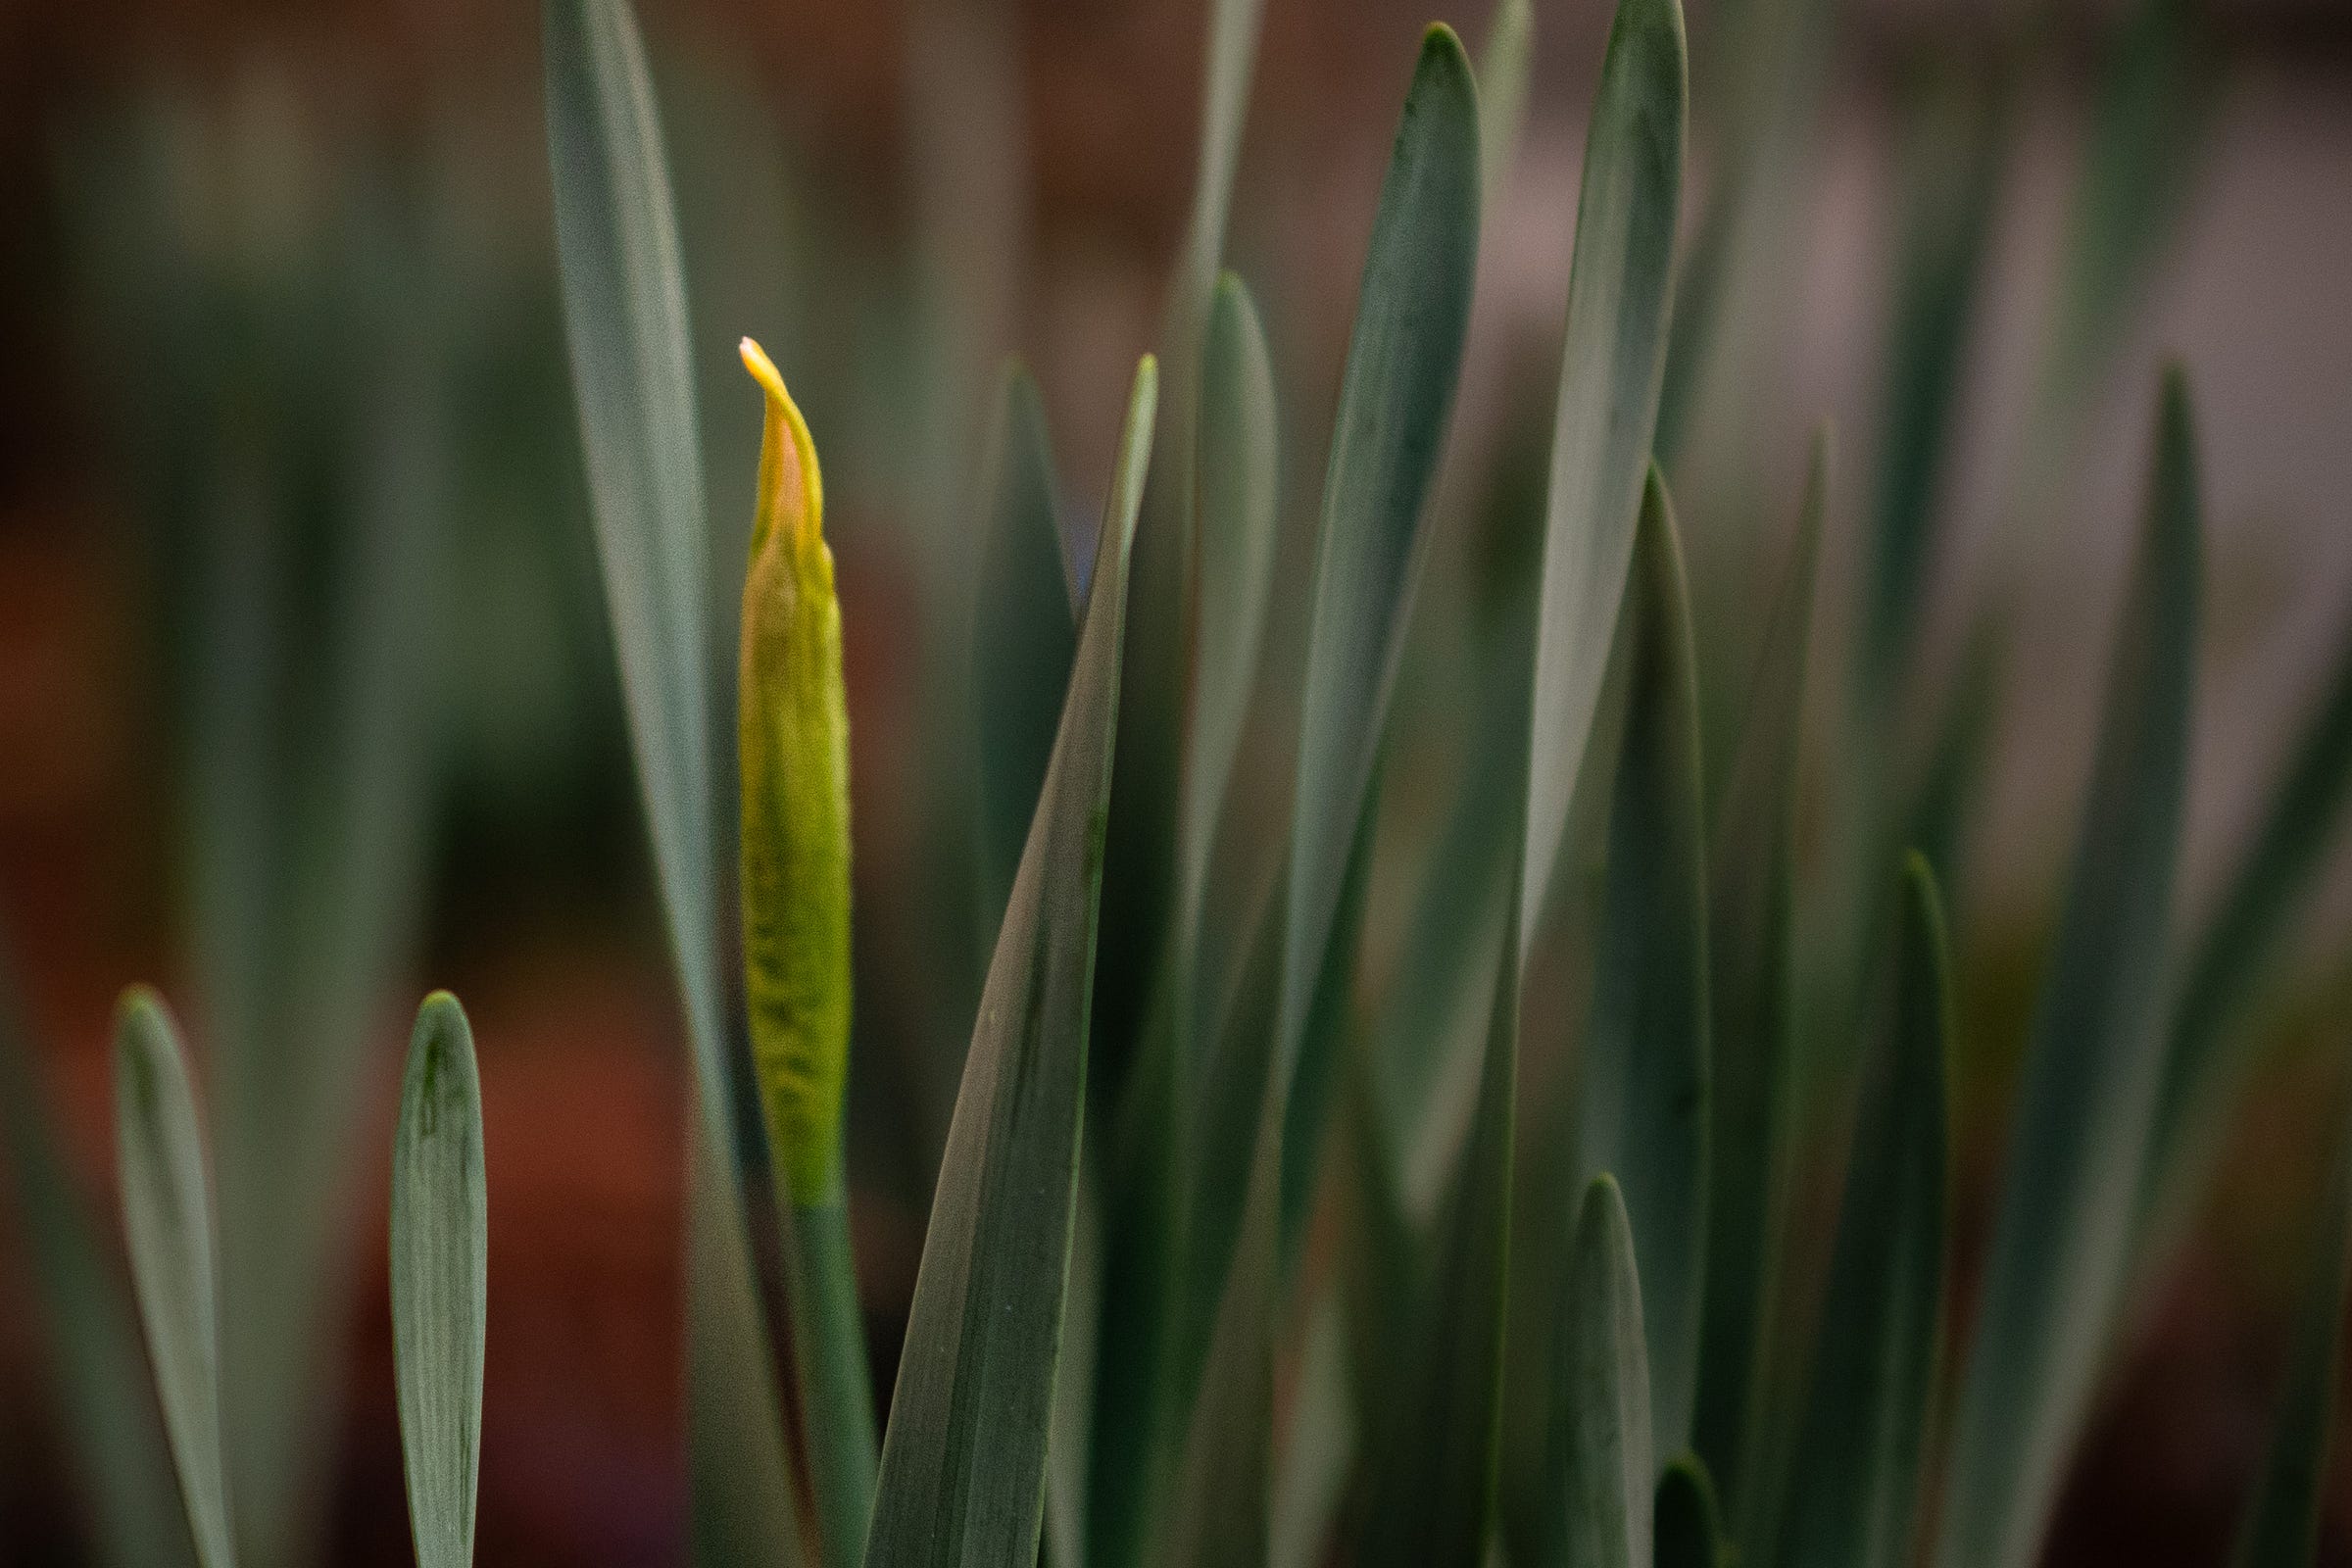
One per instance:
(1854, 1486)
(1611, 366)
(1642, 1075)
(440, 1279)
(2059, 1251)
(168, 1221)
(964, 1459)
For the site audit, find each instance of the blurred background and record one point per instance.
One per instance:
(307, 703)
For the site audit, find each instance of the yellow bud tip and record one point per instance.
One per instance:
(791, 492)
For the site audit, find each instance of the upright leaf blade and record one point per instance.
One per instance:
(1506, 65)
(94, 1355)
(1433, 1479)
(1749, 881)
(2061, 1245)
(1395, 398)
(168, 1221)
(1024, 634)
(1597, 1452)
(964, 1459)
(2281, 1526)
(1619, 297)
(1854, 1483)
(440, 1281)
(1688, 1527)
(1643, 1076)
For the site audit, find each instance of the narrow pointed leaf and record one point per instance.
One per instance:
(1395, 399)
(1854, 1484)
(2281, 1526)
(1641, 1075)
(1597, 1452)
(1749, 889)
(88, 1329)
(1619, 298)
(2060, 1250)
(1507, 63)
(440, 1281)
(168, 1221)
(1239, 489)
(1688, 1527)
(964, 1459)
(1025, 632)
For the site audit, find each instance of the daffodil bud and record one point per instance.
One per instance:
(795, 761)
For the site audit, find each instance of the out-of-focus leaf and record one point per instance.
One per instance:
(92, 1343)
(1395, 399)
(440, 1281)
(1750, 877)
(1238, 493)
(624, 313)
(1855, 1471)
(1597, 1452)
(964, 1459)
(1025, 632)
(2281, 1526)
(2061, 1245)
(1316, 1458)
(1641, 1074)
(1433, 1475)
(1958, 150)
(1507, 63)
(1689, 1528)
(167, 1220)
(2205, 1059)
(1619, 296)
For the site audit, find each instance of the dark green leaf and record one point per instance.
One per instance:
(1619, 297)
(440, 1281)
(1854, 1482)
(1689, 1526)
(1641, 1075)
(1025, 632)
(167, 1220)
(1749, 889)
(2281, 1528)
(964, 1459)
(2061, 1243)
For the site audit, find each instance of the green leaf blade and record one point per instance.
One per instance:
(1688, 1527)
(168, 1221)
(2061, 1243)
(440, 1281)
(1612, 364)
(963, 1469)
(1856, 1485)
(1597, 1452)
(1751, 878)
(1642, 1072)
(1396, 401)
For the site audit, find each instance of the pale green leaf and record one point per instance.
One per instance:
(1620, 294)
(440, 1281)
(168, 1221)
(1598, 1451)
